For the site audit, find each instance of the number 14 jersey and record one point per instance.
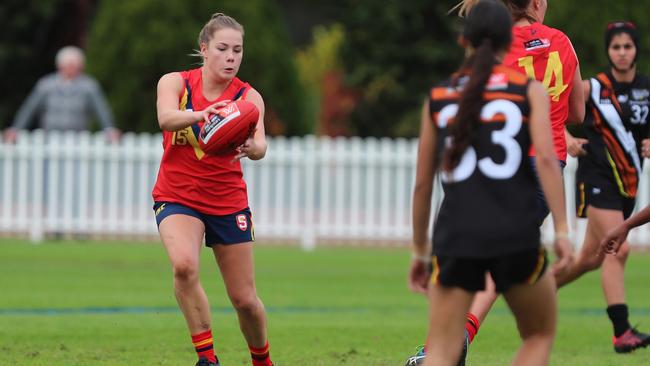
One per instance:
(547, 55)
(489, 207)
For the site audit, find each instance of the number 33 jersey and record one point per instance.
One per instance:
(547, 55)
(489, 207)
(615, 125)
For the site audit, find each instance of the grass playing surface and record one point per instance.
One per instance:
(89, 303)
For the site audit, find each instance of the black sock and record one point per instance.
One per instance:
(618, 314)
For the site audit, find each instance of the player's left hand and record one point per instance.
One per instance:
(645, 148)
(418, 280)
(613, 241)
(564, 253)
(249, 149)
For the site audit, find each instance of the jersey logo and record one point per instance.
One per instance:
(536, 43)
(497, 81)
(595, 190)
(242, 222)
(640, 94)
(160, 209)
(623, 98)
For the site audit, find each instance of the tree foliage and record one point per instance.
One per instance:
(394, 51)
(134, 42)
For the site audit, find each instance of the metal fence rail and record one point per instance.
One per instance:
(307, 189)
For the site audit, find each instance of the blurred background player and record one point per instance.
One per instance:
(64, 100)
(470, 120)
(198, 195)
(547, 55)
(609, 166)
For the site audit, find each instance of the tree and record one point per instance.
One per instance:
(134, 42)
(394, 52)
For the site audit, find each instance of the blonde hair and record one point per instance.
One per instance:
(464, 7)
(218, 21)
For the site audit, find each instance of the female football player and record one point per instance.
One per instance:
(477, 128)
(609, 166)
(547, 55)
(201, 196)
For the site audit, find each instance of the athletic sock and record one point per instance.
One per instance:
(471, 326)
(260, 356)
(204, 346)
(618, 314)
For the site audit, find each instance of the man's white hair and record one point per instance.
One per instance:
(69, 52)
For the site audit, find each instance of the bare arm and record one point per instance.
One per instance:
(419, 271)
(612, 242)
(170, 117)
(577, 99)
(549, 171)
(423, 183)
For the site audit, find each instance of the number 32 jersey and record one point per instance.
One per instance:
(489, 207)
(547, 55)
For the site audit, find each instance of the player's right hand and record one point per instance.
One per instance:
(212, 109)
(10, 135)
(574, 146)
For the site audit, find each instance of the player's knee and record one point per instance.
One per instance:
(591, 263)
(245, 303)
(185, 271)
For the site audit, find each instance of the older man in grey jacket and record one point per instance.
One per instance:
(64, 100)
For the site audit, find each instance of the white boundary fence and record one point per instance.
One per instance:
(307, 189)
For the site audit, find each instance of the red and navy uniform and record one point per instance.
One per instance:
(547, 55)
(487, 221)
(212, 185)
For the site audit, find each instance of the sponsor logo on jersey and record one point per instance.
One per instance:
(497, 81)
(537, 43)
(640, 94)
(623, 98)
(595, 190)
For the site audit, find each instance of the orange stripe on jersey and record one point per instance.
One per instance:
(501, 95)
(444, 93)
(627, 171)
(605, 80)
(514, 77)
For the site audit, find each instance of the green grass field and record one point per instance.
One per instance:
(88, 303)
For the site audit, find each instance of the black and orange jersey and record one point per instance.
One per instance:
(615, 124)
(489, 207)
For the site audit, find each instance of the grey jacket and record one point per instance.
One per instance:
(64, 104)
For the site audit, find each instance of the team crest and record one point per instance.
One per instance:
(242, 222)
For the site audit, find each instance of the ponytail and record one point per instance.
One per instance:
(468, 118)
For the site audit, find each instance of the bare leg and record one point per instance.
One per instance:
(447, 309)
(484, 300)
(613, 276)
(589, 257)
(236, 265)
(182, 237)
(535, 308)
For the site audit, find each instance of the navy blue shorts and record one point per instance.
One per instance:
(542, 206)
(227, 229)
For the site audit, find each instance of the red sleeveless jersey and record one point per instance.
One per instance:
(209, 184)
(546, 54)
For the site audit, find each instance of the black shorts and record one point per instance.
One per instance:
(525, 267)
(227, 229)
(603, 196)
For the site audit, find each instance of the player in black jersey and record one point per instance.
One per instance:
(478, 127)
(610, 163)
